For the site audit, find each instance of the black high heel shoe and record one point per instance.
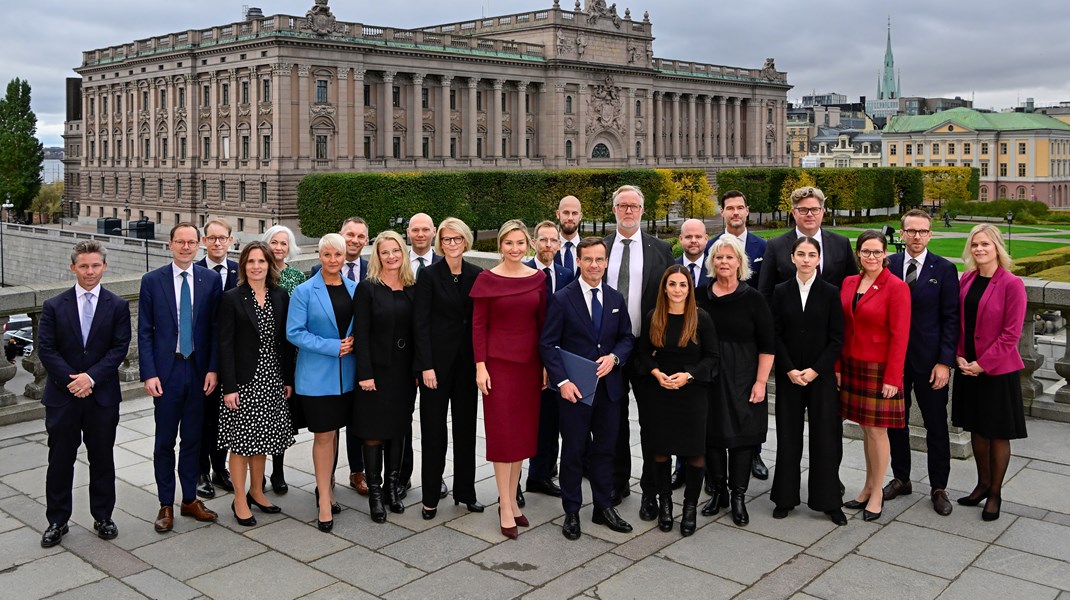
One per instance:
(471, 506)
(428, 513)
(977, 496)
(992, 516)
(873, 516)
(252, 520)
(325, 526)
(856, 504)
(335, 507)
(270, 509)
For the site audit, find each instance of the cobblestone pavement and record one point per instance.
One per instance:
(909, 553)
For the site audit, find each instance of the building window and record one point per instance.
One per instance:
(367, 95)
(104, 105)
(224, 147)
(568, 149)
(141, 187)
(178, 218)
(1003, 147)
(204, 188)
(245, 92)
(908, 147)
(479, 147)
(163, 98)
(1002, 191)
(527, 102)
(527, 148)
(568, 105)
(638, 108)
(966, 149)
(92, 106)
(984, 148)
(426, 148)
(453, 99)
(367, 146)
(207, 150)
(263, 192)
(104, 150)
(207, 100)
(504, 109)
(921, 150)
(950, 148)
(159, 187)
(600, 151)
(1021, 148)
(224, 93)
(1021, 192)
(1002, 169)
(266, 95)
(505, 150)
(424, 98)
(453, 147)
(396, 97)
(266, 154)
(178, 194)
(241, 224)
(984, 194)
(118, 103)
(321, 147)
(892, 150)
(396, 150)
(479, 100)
(984, 169)
(241, 192)
(159, 217)
(1021, 169)
(245, 147)
(163, 148)
(639, 149)
(261, 232)
(321, 91)
(222, 190)
(936, 149)
(144, 100)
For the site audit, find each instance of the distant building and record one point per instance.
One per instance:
(824, 99)
(1025, 156)
(917, 105)
(843, 148)
(804, 121)
(1060, 111)
(886, 104)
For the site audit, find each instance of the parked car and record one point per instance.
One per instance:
(16, 322)
(18, 342)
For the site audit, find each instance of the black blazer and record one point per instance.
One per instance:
(934, 312)
(232, 272)
(374, 326)
(657, 256)
(811, 338)
(442, 317)
(836, 253)
(239, 336)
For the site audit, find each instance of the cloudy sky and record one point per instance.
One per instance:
(994, 52)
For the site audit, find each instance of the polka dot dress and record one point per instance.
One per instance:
(261, 423)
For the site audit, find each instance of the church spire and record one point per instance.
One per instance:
(889, 87)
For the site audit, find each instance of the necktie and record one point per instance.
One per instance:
(912, 273)
(549, 281)
(419, 259)
(694, 278)
(352, 274)
(219, 270)
(185, 319)
(87, 318)
(566, 260)
(596, 313)
(624, 275)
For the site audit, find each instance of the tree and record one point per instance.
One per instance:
(21, 154)
(48, 202)
(796, 179)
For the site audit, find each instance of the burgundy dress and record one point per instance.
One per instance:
(506, 322)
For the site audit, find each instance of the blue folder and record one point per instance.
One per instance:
(583, 373)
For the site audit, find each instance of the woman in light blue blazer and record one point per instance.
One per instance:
(320, 325)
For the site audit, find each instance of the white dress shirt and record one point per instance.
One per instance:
(804, 288)
(586, 287)
(920, 258)
(414, 260)
(223, 273)
(80, 294)
(817, 236)
(553, 272)
(176, 275)
(635, 280)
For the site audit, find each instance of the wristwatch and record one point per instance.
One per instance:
(616, 360)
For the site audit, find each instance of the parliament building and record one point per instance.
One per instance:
(225, 121)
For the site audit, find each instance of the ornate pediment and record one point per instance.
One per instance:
(320, 20)
(605, 108)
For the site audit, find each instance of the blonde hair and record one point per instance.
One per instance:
(457, 225)
(993, 234)
(803, 193)
(333, 241)
(732, 242)
(375, 265)
(509, 227)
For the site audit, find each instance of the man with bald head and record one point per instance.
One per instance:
(421, 233)
(693, 240)
(569, 217)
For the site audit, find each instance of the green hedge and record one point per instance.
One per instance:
(482, 199)
(847, 189)
(1055, 274)
(1000, 207)
(1045, 260)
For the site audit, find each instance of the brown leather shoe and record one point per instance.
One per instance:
(165, 519)
(198, 510)
(941, 504)
(356, 481)
(896, 488)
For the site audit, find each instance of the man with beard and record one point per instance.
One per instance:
(569, 217)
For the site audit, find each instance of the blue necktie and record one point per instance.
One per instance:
(87, 318)
(694, 278)
(566, 260)
(549, 282)
(596, 313)
(352, 275)
(185, 319)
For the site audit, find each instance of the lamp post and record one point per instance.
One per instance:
(1010, 220)
(6, 207)
(901, 196)
(273, 218)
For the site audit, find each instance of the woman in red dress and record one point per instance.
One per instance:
(508, 312)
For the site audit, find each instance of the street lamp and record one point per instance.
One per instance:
(273, 223)
(1010, 220)
(6, 207)
(901, 196)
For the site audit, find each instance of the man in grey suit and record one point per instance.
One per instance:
(637, 261)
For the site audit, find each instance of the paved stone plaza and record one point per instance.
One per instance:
(909, 553)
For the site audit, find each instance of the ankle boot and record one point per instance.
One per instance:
(718, 500)
(688, 518)
(393, 483)
(373, 473)
(665, 512)
(693, 477)
(278, 478)
(739, 507)
(663, 483)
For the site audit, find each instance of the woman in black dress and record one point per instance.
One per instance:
(445, 364)
(256, 382)
(386, 394)
(678, 349)
(738, 415)
(986, 399)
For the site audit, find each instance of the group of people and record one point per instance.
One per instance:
(239, 356)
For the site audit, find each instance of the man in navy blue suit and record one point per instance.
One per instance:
(540, 478)
(934, 331)
(590, 319)
(217, 239)
(83, 338)
(569, 219)
(693, 240)
(176, 322)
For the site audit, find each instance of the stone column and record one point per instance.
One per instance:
(722, 128)
(520, 120)
(280, 88)
(677, 126)
(707, 122)
(554, 125)
(35, 390)
(343, 121)
(235, 138)
(753, 130)
(629, 122)
(358, 114)
(692, 128)
(580, 151)
(154, 101)
(442, 128)
(657, 130)
(415, 118)
(494, 140)
(737, 129)
(471, 122)
(304, 126)
(385, 116)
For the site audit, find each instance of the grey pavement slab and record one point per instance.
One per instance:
(435, 548)
(843, 540)
(377, 574)
(7, 522)
(1047, 491)
(105, 589)
(267, 576)
(1038, 569)
(657, 577)
(339, 591)
(160, 586)
(641, 546)
(188, 555)
(1038, 537)
(38, 579)
(802, 526)
(21, 546)
(461, 581)
(102, 554)
(739, 563)
(924, 550)
(978, 584)
(581, 578)
(963, 521)
(1046, 441)
(787, 580)
(527, 559)
(855, 576)
(298, 540)
(359, 528)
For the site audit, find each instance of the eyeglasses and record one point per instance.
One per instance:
(184, 244)
(816, 210)
(871, 253)
(449, 241)
(917, 232)
(630, 207)
(218, 239)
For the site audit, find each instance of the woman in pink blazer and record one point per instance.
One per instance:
(876, 316)
(987, 397)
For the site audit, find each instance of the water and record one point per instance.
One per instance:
(52, 170)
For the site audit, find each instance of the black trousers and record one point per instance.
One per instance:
(588, 437)
(457, 397)
(548, 447)
(67, 426)
(732, 464)
(818, 402)
(933, 406)
(211, 457)
(353, 451)
(622, 455)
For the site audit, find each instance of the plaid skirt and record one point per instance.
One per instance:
(860, 395)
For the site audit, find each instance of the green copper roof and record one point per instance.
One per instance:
(972, 119)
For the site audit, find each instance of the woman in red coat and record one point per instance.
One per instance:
(987, 396)
(508, 311)
(876, 314)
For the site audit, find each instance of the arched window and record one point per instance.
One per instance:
(639, 149)
(568, 105)
(984, 193)
(1002, 191)
(600, 151)
(568, 149)
(638, 108)
(1020, 192)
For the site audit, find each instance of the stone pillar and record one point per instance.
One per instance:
(35, 390)
(344, 121)
(554, 125)
(415, 121)
(737, 129)
(707, 123)
(494, 139)
(629, 122)
(358, 114)
(471, 122)
(657, 130)
(677, 126)
(692, 128)
(442, 128)
(520, 120)
(304, 126)
(280, 79)
(753, 130)
(7, 373)
(580, 151)
(154, 102)
(722, 129)
(385, 116)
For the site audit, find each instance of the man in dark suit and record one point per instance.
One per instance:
(934, 331)
(213, 461)
(421, 234)
(540, 467)
(178, 357)
(693, 239)
(589, 319)
(82, 394)
(569, 218)
(637, 261)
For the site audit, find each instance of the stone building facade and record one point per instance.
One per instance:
(225, 121)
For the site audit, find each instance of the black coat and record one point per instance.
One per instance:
(836, 253)
(239, 336)
(810, 338)
(374, 326)
(442, 317)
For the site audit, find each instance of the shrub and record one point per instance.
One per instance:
(1061, 273)
(847, 189)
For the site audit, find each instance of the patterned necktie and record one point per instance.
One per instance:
(185, 318)
(596, 313)
(87, 317)
(912, 273)
(694, 278)
(352, 274)
(624, 275)
(420, 259)
(566, 259)
(549, 282)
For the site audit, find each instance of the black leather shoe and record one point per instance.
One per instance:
(270, 509)
(246, 522)
(106, 529)
(977, 496)
(335, 507)
(837, 516)
(895, 488)
(428, 513)
(677, 480)
(611, 519)
(739, 508)
(648, 507)
(53, 535)
(687, 519)
(520, 501)
(443, 490)
(222, 480)
(544, 486)
(325, 526)
(872, 516)
(758, 468)
(991, 515)
(404, 489)
(571, 528)
(856, 504)
(614, 497)
(718, 500)
(781, 512)
(665, 513)
(278, 483)
(205, 489)
(472, 506)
